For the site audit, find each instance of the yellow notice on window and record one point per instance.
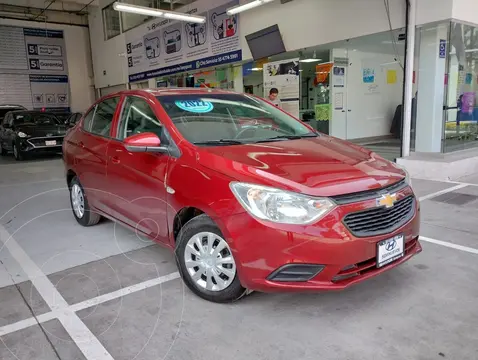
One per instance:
(391, 76)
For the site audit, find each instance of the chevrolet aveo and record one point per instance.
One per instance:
(248, 197)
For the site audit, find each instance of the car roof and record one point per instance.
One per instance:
(3, 106)
(34, 112)
(171, 91)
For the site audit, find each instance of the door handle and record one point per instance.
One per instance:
(349, 110)
(81, 145)
(115, 160)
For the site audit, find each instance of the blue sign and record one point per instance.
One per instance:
(195, 106)
(247, 68)
(442, 49)
(216, 60)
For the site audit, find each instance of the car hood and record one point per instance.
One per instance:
(322, 166)
(42, 131)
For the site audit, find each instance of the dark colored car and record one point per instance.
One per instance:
(5, 108)
(246, 196)
(31, 132)
(73, 119)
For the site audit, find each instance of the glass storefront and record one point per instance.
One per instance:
(444, 108)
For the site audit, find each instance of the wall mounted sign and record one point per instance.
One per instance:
(442, 49)
(163, 47)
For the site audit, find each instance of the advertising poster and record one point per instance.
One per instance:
(38, 57)
(322, 72)
(163, 47)
(284, 76)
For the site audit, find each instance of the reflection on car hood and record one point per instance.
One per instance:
(322, 166)
(42, 130)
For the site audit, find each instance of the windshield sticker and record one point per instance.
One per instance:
(195, 106)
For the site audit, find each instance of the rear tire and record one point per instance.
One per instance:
(4, 152)
(209, 273)
(79, 204)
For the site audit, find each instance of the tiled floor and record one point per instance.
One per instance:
(119, 302)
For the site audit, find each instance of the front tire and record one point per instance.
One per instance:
(17, 153)
(206, 262)
(79, 204)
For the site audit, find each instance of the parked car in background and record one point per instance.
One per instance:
(31, 132)
(4, 108)
(246, 196)
(73, 119)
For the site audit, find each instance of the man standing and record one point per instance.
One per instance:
(274, 97)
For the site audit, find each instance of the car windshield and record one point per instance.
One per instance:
(229, 119)
(5, 110)
(38, 119)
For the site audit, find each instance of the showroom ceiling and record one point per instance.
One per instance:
(56, 11)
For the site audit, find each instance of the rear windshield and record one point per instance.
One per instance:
(214, 117)
(35, 119)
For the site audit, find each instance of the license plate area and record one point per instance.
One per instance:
(390, 250)
(50, 142)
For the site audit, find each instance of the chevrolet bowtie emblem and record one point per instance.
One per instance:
(387, 200)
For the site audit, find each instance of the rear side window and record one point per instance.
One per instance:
(103, 117)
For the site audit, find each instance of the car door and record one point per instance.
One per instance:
(91, 144)
(138, 178)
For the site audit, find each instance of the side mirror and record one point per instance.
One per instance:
(144, 142)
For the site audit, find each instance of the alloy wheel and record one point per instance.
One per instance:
(78, 200)
(209, 261)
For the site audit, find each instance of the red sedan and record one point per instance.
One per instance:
(248, 197)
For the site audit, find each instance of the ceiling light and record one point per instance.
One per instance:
(184, 17)
(256, 69)
(248, 6)
(310, 60)
(142, 10)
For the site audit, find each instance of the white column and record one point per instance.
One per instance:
(152, 83)
(338, 121)
(431, 88)
(236, 76)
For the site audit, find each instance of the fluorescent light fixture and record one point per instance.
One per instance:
(248, 6)
(256, 69)
(174, 15)
(142, 10)
(310, 60)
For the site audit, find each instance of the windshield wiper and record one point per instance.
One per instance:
(219, 142)
(288, 137)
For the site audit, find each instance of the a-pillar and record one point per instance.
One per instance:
(434, 48)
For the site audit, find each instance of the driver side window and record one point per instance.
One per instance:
(137, 117)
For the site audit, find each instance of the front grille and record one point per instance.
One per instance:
(368, 194)
(380, 220)
(41, 141)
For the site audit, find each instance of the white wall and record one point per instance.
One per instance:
(109, 55)
(305, 23)
(80, 70)
(466, 10)
(367, 113)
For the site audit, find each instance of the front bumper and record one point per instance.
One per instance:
(327, 248)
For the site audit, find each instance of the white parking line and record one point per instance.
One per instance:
(22, 324)
(444, 191)
(449, 245)
(89, 345)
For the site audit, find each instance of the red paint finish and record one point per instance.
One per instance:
(147, 190)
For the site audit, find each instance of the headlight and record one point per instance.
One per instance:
(22, 134)
(408, 179)
(280, 206)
